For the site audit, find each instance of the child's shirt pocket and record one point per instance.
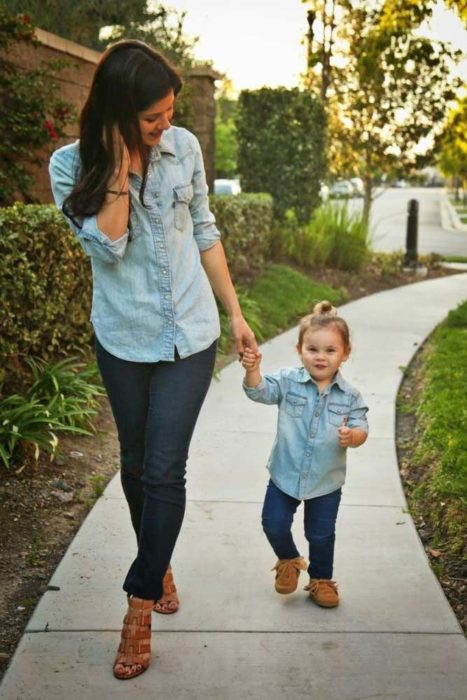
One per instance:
(294, 404)
(337, 412)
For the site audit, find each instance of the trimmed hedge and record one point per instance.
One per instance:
(45, 286)
(281, 148)
(245, 222)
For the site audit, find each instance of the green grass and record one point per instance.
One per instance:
(454, 258)
(275, 301)
(284, 295)
(441, 426)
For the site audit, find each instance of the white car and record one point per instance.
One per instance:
(341, 188)
(223, 186)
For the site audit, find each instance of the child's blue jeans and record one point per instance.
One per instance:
(155, 406)
(320, 516)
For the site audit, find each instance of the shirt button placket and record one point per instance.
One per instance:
(168, 335)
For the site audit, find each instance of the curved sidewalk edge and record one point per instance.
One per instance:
(450, 218)
(394, 635)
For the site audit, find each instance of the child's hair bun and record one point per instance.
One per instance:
(324, 308)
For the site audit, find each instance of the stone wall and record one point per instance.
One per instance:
(74, 82)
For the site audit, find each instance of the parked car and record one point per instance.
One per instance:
(358, 187)
(224, 186)
(341, 188)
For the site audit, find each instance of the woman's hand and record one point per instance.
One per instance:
(121, 155)
(243, 335)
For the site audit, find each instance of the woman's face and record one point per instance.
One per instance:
(154, 120)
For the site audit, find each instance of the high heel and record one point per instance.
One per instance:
(134, 651)
(169, 603)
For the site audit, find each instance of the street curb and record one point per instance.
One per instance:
(449, 217)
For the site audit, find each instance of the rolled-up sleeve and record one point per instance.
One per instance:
(205, 230)
(357, 413)
(63, 172)
(268, 391)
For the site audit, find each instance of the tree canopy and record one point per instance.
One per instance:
(453, 145)
(386, 87)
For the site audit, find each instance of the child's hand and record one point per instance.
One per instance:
(350, 437)
(345, 436)
(251, 360)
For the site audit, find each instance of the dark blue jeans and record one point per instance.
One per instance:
(155, 406)
(320, 516)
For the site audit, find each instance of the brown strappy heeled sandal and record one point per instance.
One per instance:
(169, 603)
(134, 651)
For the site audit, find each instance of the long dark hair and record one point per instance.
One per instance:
(129, 77)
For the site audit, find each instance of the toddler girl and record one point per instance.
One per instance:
(320, 415)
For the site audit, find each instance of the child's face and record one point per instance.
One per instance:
(322, 353)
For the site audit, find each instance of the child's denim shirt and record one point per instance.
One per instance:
(306, 460)
(150, 291)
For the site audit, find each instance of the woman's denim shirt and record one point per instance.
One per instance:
(150, 291)
(306, 460)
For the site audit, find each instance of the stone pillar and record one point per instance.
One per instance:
(202, 87)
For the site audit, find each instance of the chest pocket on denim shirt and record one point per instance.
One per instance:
(294, 404)
(337, 412)
(183, 195)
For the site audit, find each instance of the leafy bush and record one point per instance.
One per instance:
(281, 142)
(25, 423)
(245, 222)
(62, 397)
(69, 388)
(32, 116)
(45, 287)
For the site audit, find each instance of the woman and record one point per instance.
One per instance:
(134, 191)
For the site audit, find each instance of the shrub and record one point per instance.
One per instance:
(245, 222)
(69, 388)
(25, 425)
(61, 397)
(45, 287)
(32, 115)
(332, 237)
(281, 141)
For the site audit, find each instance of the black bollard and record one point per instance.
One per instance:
(411, 255)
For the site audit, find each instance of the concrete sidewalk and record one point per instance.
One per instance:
(394, 636)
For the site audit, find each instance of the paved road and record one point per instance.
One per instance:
(389, 221)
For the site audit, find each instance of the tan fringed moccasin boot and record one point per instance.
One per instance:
(323, 591)
(288, 571)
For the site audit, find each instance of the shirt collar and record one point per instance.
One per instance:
(166, 145)
(304, 376)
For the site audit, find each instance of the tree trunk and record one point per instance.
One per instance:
(367, 199)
